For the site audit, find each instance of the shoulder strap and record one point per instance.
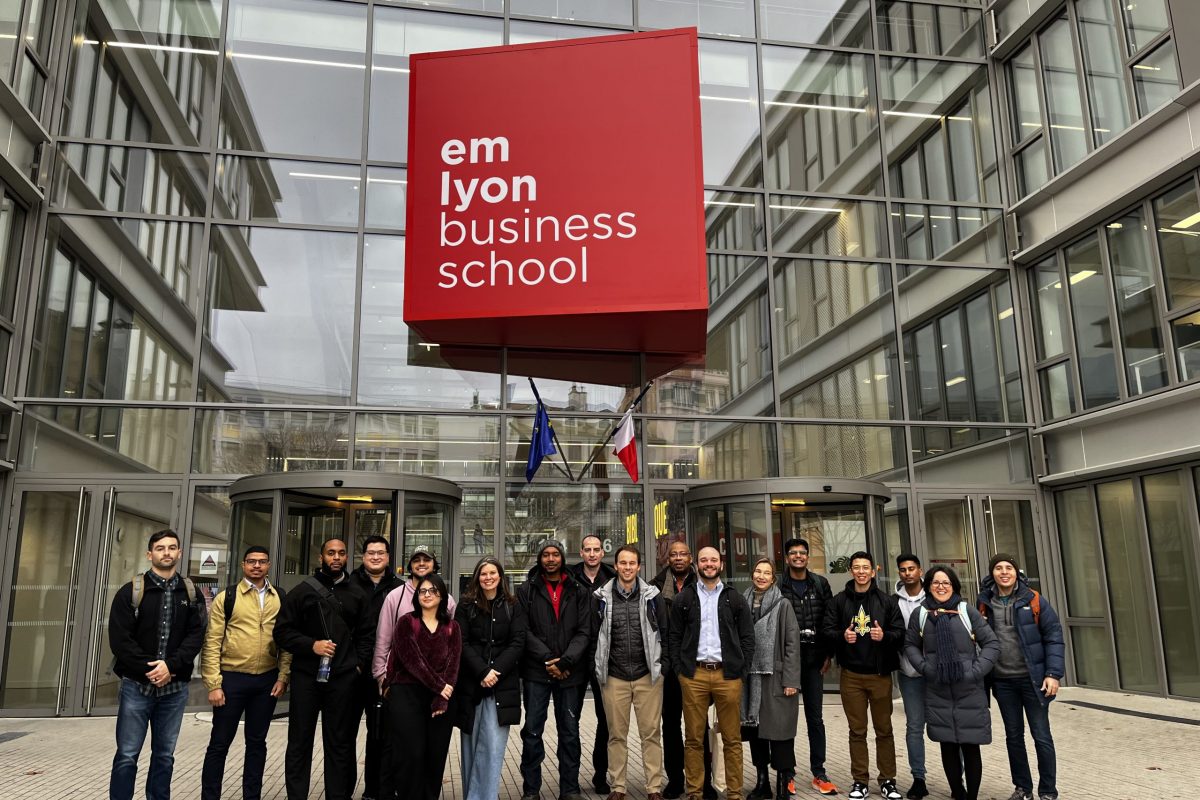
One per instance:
(139, 589)
(230, 598)
(190, 587)
(924, 612)
(965, 616)
(1035, 605)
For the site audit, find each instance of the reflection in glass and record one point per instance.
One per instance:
(843, 451)
(262, 190)
(520, 32)
(928, 30)
(212, 529)
(1010, 530)
(729, 114)
(1094, 345)
(1079, 538)
(734, 221)
(1023, 79)
(10, 20)
(427, 444)
(916, 95)
(1032, 172)
(739, 533)
(249, 441)
(103, 439)
(949, 233)
(614, 12)
(1177, 218)
(707, 450)
(1064, 104)
(843, 301)
(477, 526)
(398, 33)
(724, 272)
(131, 180)
(1050, 311)
(1169, 511)
(1131, 598)
(1156, 78)
(730, 17)
(969, 456)
(1137, 303)
(739, 348)
(12, 234)
(1058, 393)
(1103, 65)
(863, 389)
(387, 197)
(1186, 331)
(394, 366)
(579, 439)
(824, 227)
(820, 121)
(285, 59)
(604, 382)
(834, 22)
(1144, 21)
(668, 526)
(950, 533)
(280, 316)
(1092, 646)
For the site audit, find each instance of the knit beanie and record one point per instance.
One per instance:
(998, 558)
(556, 544)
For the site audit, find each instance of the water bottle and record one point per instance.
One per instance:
(324, 668)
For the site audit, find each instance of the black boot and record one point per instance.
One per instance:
(918, 790)
(762, 786)
(782, 781)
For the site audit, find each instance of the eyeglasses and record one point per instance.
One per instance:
(428, 591)
(257, 562)
(942, 584)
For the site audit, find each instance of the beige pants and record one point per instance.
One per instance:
(646, 700)
(703, 689)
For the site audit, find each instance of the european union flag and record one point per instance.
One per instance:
(542, 442)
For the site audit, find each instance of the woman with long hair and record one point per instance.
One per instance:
(953, 648)
(417, 679)
(770, 693)
(488, 701)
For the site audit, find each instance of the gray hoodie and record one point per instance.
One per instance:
(908, 604)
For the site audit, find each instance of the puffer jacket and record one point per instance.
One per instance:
(653, 617)
(567, 637)
(1041, 640)
(959, 712)
(810, 615)
(490, 641)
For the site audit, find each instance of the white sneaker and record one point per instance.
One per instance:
(859, 791)
(888, 791)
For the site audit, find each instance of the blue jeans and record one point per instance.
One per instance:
(136, 712)
(483, 753)
(537, 698)
(1017, 697)
(912, 692)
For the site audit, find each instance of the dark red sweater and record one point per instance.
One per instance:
(427, 659)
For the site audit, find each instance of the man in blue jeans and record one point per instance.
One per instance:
(910, 594)
(561, 624)
(1027, 675)
(155, 630)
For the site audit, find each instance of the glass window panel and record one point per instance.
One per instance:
(567, 513)
(1094, 334)
(820, 121)
(725, 272)
(1064, 103)
(605, 382)
(126, 440)
(1137, 303)
(520, 32)
(1079, 538)
(669, 526)
(679, 449)
(444, 446)
(478, 527)
(131, 180)
(734, 221)
(1144, 21)
(250, 441)
(1156, 78)
(398, 33)
(966, 456)
(1094, 666)
(1170, 517)
(972, 159)
(1027, 111)
(615, 12)
(211, 517)
(494, 6)
(1131, 597)
(579, 439)
(729, 114)
(865, 388)
(387, 195)
(823, 227)
(1050, 311)
(929, 30)
(287, 191)
(1177, 217)
(10, 20)
(1186, 331)
(731, 17)
(394, 366)
(12, 234)
(826, 312)
(286, 58)
(914, 93)
(833, 22)
(1058, 393)
(1104, 68)
(739, 531)
(844, 451)
(281, 316)
(945, 233)
(739, 348)
(1032, 173)
(954, 368)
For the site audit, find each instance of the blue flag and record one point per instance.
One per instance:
(541, 444)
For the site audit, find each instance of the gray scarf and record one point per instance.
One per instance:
(766, 629)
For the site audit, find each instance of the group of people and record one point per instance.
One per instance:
(693, 659)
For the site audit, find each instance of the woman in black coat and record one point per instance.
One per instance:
(953, 648)
(489, 695)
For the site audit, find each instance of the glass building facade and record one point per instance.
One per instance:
(954, 308)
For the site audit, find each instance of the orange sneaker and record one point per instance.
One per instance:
(791, 786)
(823, 785)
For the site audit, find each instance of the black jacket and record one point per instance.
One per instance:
(810, 615)
(734, 622)
(135, 641)
(567, 638)
(299, 625)
(660, 582)
(605, 575)
(375, 594)
(490, 641)
(867, 657)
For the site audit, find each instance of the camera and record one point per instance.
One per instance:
(808, 636)
(338, 483)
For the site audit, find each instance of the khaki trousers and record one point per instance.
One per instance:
(646, 700)
(861, 693)
(705, 688)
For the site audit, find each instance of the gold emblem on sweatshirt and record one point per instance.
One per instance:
(862, 622)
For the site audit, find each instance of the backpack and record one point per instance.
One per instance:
(139, 590)
(962, 615)
(1035, 605)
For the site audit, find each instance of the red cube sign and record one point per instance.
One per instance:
(555, 196)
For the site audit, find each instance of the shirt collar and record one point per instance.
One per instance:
(715, 590)
(161, 582)
(247, 586)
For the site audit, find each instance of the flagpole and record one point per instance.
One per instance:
(637, 400)
(554, 435)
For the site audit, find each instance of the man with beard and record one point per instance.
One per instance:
(711, 636)
(375, 578)
(554, 666)
(592, 573)
(324, 618)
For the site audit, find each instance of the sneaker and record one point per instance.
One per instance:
(1020, 794)
(888, 791)
(823, 785)
(791, 787)
(917, 790)
(859, 791)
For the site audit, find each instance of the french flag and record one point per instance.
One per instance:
(625, 446)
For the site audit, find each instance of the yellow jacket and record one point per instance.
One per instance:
(249, 646)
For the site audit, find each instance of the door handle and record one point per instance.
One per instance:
(70, 609)
(92, 671)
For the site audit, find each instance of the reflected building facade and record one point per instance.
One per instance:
(952, 252)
